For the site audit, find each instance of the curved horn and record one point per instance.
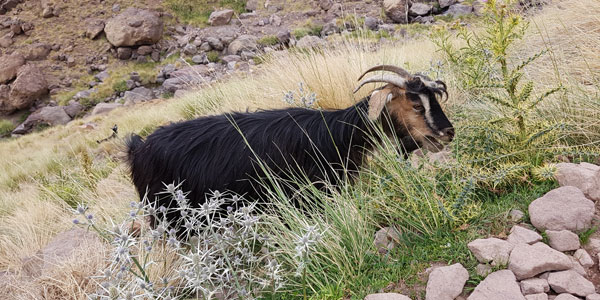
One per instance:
(403, 73)
(395, 80)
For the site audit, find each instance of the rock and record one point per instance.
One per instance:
(221, 17)
(516, 215)
(134, 27)
(6, 41)
(38, 51)
(144, 50)
(566, 297)
(102, 76)
(52, 115)
(9, 64)
(492, 250)
(200, 59)
(520, 234)
(576, 266)
(73, 109)
(593, 297)
(420, 9)
(124, 53)
(93, 28)
(534, 286)
(283, 36)
(59, 250)
(594, 245)
(563, 208)
(371, 23)
(187, 77)
(243, 42)
(396, 10)
(139, 94)
(190, 49)
(563, 240)
(584, 176)
(386, 239)
(215, 43)
(311, 42)
(540, 296)
(325, 4)
(483, 270)
(386, 296)
(457, 10)
(500, 285)
(84, 94)
(29, 86)
(446, 3)
(231, 58)
(104, 107)
(527, 261)
(275, 20)
(251, 5)
(584, 258)
(329, 29)
(570, 282)
(446, 283)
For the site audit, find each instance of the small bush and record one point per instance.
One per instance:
(268, 40)
(301, 32)
(120, 86)
(6, 127)
(213, 56)
(309, 28)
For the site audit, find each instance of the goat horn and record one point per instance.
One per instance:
(403, 73)
(395, 80)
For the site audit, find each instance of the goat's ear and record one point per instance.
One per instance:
(377, 102)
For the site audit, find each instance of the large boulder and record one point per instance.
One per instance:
(134, 27)
(242, 43)
(29, 86)
(527, 261)
(584, 176)
(565, 208)
(49, 115)
(446, 283)
(220, 17)
(500, 285)
(9, 64)
(38, 51)
(396, 10)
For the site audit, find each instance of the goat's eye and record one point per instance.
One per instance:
(418, 107)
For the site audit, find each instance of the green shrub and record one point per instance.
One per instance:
(268, 40)
(6, 127)
(120, 86)
(309, 28)
(213, 56)
(301, 32)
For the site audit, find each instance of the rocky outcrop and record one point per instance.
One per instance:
(9, 65)
(134, 27)
(396, 10)
(29, 86)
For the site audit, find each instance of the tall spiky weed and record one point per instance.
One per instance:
(510, 139)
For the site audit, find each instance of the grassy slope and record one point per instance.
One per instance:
(45, 172)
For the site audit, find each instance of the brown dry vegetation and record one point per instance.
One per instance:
(38, 168)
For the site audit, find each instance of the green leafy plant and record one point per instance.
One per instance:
(268, 40)
(6, 127)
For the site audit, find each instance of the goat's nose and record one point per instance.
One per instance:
(449, 132)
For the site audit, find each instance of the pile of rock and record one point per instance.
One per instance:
(559, 270)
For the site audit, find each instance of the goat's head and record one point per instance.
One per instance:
(411, 102)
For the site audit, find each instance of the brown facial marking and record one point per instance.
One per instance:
(401, 108)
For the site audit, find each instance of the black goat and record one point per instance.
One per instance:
(222, 152)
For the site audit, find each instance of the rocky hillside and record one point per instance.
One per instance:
(63, 59)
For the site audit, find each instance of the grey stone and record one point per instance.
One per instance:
(446, 283)
(94, 27)
(311, 42)
(446, 3)
(527, 261)
(200, 59)
(570, 282)
(134, 27)
(420, 9)
(519, 234)
(563, 240)
(534, 286)
(500, 285)
(73, 109)
(492, 250)
(371, 23)
(386, 296)
(584, 176)
(29, 86)
(386, 239)
(243, 42)
(457, 10)
(562, 208)
(540, 296)
(221, 17)
(584, 258)
(101, 108)
(139, 94)
(9, 65)
(396, 10)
